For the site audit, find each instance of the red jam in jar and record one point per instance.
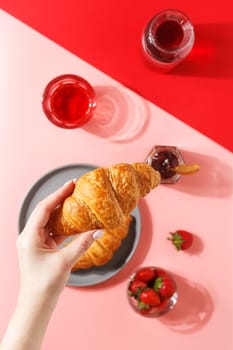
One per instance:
(165, 159)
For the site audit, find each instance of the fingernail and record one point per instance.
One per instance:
(68, 182)
(97, 234)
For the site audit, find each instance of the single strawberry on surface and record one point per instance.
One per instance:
(181, 239)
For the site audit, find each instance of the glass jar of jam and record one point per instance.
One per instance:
(165, 159)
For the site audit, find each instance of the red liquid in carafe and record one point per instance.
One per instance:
(169, 34)
(70, 102)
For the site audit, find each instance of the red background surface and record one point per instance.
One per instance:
(107, 34)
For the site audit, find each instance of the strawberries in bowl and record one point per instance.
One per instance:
(152, 291)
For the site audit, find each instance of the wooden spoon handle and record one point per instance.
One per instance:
(186, 169)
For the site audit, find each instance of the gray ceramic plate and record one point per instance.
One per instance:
(49, 183)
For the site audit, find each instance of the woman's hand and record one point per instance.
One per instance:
(44, 270)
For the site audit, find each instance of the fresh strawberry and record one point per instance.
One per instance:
(136, 286)
(160, 273)
(165, 286)
(147, 298)
(144, 308)
(145, 274)
(181, 239)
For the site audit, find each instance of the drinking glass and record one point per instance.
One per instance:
(68, 101)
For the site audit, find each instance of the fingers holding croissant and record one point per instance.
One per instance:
(102, 250)
(103, 198)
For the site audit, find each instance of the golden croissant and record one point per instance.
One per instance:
(102, 250)
(102, 198)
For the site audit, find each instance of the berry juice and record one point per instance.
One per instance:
(169, 34)
(69, 101)
(168, 38)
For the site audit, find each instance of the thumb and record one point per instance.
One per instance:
(76, 248)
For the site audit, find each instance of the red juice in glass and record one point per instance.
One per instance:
(169, 34)
(69, 101)
(168, 38)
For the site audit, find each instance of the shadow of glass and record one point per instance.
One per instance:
(120, 115)
(214, 179)
(138, 257)
(212, 53)
(193, 309)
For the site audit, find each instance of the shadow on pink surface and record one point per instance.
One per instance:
(193, 309)
(138, 257)
(212, 54)
(119, 116)
(214, 179)
(196, 247)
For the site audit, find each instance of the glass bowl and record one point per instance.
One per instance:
(152, 291)
(68, 101)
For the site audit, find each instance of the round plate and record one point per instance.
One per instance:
(49, 183)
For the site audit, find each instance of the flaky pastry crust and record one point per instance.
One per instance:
(103, 198)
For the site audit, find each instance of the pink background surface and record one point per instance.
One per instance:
(99, 317)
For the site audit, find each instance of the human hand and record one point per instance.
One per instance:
(45, 268)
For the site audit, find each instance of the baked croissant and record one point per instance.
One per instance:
(102, 250)
(102, 198)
